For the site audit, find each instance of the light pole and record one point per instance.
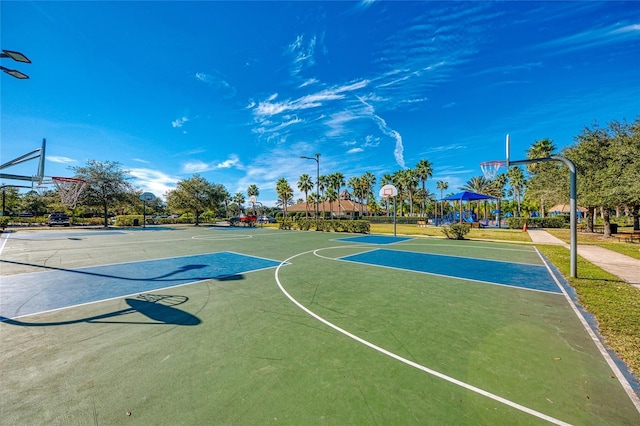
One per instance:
(16, 56)
(317, 160)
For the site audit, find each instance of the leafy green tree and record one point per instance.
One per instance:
(195, 195)
(424, 170)
(107, 184)
(11, 200)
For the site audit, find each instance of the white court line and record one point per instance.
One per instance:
(406, 361)
(5, 237)
(623, 380)
(473, 280)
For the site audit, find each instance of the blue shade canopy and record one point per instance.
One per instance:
(467, 196)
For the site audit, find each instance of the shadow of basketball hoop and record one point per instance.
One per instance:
(159, 308)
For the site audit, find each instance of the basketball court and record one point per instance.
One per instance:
(192, 325)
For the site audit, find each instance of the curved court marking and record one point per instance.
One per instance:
(603, 351)
(404, 360)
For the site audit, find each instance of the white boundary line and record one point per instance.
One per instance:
(510, 286)
(603, 351)
(404, 360)
(5, 237)
(152, 290)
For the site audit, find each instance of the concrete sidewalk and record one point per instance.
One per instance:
(624, 267)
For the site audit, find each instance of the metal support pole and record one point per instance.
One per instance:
(573, 207)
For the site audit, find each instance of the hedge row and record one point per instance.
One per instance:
(538, 222)
(353, 226)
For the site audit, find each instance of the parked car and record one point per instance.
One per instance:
(58, 219)
(266, 219)
(246, 220)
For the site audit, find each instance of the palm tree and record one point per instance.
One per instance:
(480, 185)
(354, 183)
(253, 191)
(542, 175)
(337, 180)
(517, 183)
(331, 196)
(424, 170)
(399, 179)
(226, 199)
(442, 186)
(284, 191)
(386, 179)
(367, 182)
(239, 200)
(305, 184)
(540, 149)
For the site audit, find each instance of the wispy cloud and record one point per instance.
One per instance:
(154, 181)
(199, 166)
(179, 122)
(220, 87)
(593, 37)
(60, 159)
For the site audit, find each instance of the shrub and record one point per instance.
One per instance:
(457, 231)
(4, 221)
(329, 225)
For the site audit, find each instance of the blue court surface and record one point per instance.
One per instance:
(30, 293)
(375, 239)
(532, 277)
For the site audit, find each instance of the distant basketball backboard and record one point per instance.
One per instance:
(388, 191)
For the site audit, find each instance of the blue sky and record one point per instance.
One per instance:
(237, 91)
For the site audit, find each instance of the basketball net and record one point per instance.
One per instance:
(69, 189)
(490, 169)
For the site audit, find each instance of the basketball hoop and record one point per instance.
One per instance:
(388, 191)
(69, 189)
(490, 168)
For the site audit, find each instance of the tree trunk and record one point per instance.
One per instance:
(591, 212)
(607, 222)
(635, 209)
(104, 212)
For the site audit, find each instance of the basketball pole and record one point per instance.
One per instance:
(573, 262)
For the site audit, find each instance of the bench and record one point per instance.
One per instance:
(628, 237)
(422, 224)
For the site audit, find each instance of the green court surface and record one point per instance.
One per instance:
(264, 326)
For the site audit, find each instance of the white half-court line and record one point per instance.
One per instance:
(406, 361)
(623, 380)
